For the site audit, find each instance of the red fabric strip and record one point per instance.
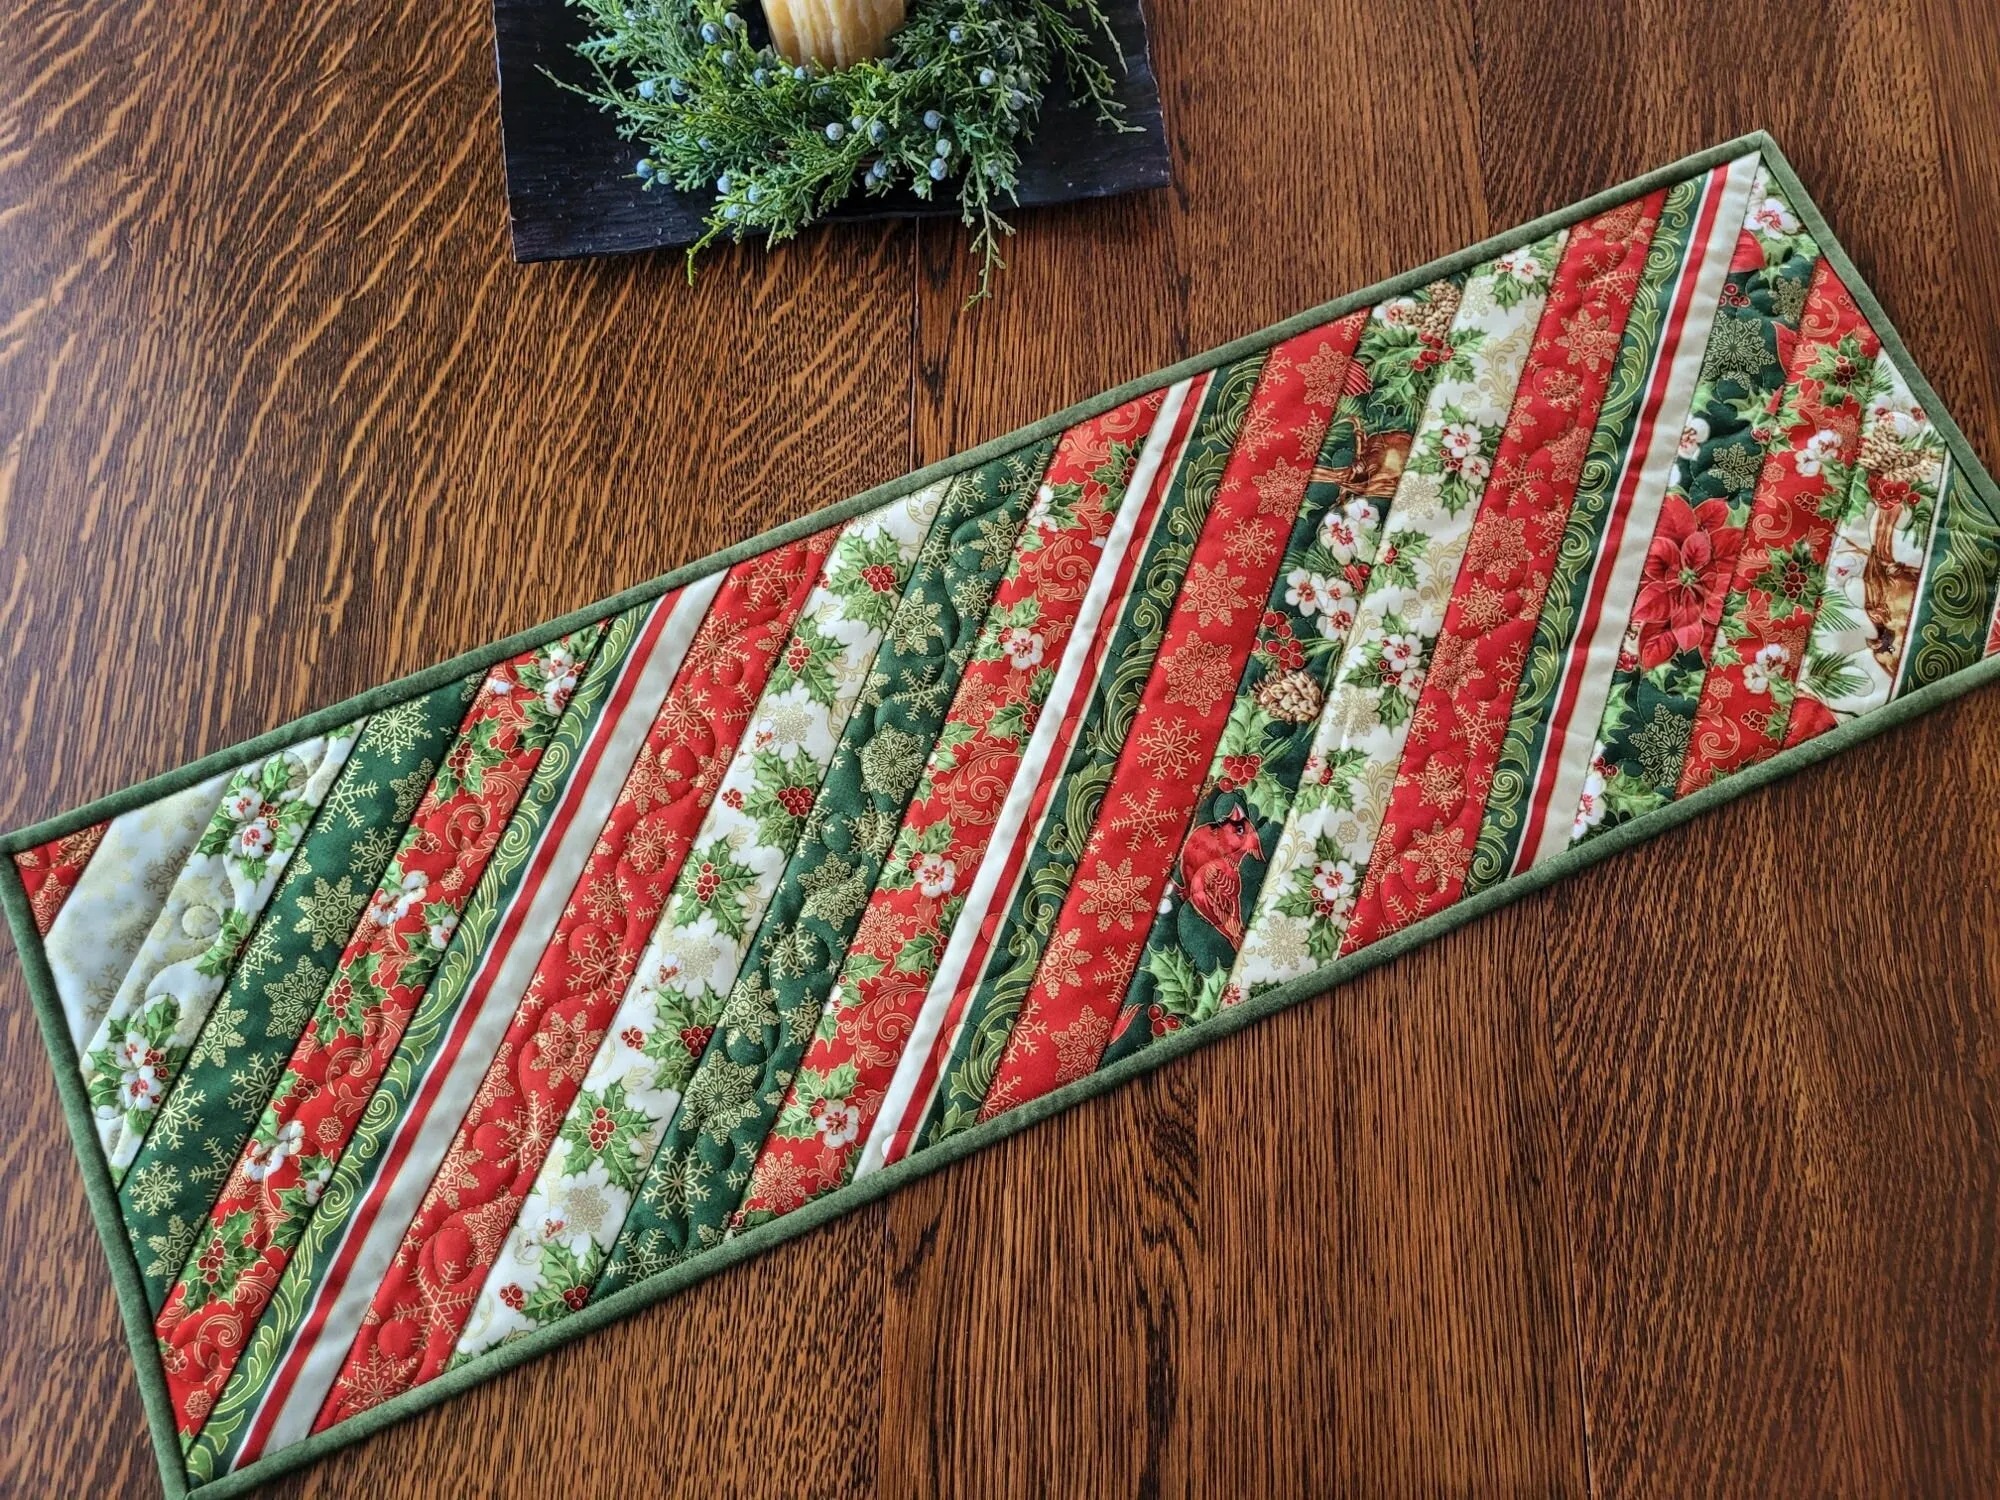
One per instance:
(50, 871)
(1746, 699)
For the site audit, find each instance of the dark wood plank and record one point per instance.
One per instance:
(571, 189)
(1645, 1186)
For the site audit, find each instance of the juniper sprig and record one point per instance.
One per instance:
(715, 106)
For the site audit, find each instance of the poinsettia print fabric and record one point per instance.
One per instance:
(1663, 662)
(279, 978)
(1017, 831)
(97, 932)
(49, 872)
(1815, 438)
(1002, 695)
(278, 1180)
(1255, 770)
(144, 1038)
(690, 1197)
(993, 996)
(1320, 859)
(1071, 1007)
(625, 858)
(567, 1224)
(1423, 852)
(1551, 735)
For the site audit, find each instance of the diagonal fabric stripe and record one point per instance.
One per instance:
(277, 1182)
(689, 1199)
(1015, 952)
(282, 975)
(1423, 852)
(1071, 1008)
(49, 872)
(615, 897)
(1552, 736)
(136, 1056)
(571, 1217)
(1017, 829)
(1650, 707)
(1875, 565)
(1005, 694)
(421, 1091)
(96, 935)
(630, 677)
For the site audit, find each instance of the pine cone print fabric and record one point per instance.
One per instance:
(415, 1038)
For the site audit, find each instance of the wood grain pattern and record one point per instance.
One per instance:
(1640, 1187)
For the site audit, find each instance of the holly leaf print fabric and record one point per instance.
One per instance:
(1317, 867)
(570, 1218)
(563, 975)
(279, 979)
(837, 1093)
(1255, 770)
(144, 1038)
(277, 1182)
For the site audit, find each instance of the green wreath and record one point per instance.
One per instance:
(716, 106)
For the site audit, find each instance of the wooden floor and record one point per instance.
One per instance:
(1681, 1178)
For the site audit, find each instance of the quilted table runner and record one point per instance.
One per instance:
(410, 1040)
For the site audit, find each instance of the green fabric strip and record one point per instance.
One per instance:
(422, 1040)
(284, 970)
(1128, 662)
(1948, 630)
(1583, 534)
(690, 1197)
(1650, 712)
(1264, 746)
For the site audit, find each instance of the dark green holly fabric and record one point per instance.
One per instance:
(697, 1182)
(1017, 948)
(285, 968)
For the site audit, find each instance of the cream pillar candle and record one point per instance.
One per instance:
(832, 33)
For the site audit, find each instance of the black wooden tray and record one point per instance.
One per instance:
(571, 189)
